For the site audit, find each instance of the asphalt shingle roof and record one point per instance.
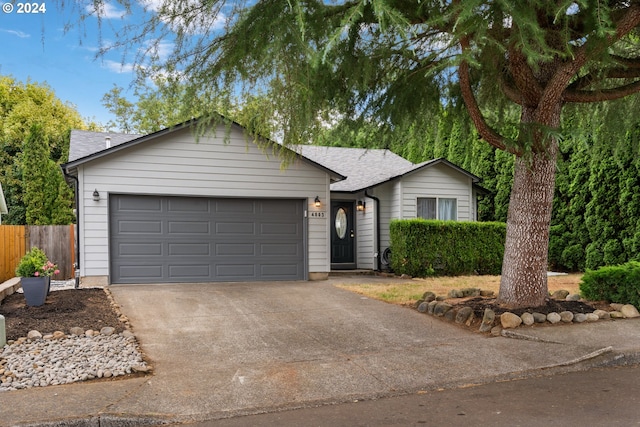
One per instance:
(363, 167)
(84, 143)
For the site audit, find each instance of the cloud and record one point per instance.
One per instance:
(187, 17)
(158, 48)
(16, 33)
(118, 67)
(106, 11)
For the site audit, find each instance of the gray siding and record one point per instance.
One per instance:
(437, 181)
(178, 165)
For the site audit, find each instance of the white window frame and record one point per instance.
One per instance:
(438, 207)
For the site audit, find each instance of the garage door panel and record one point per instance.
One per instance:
(140, 271)
(235, 206)
(278, 272)
(140, 249)
(235, 228)
(280, 249)
(200, 239)
(188, 205)
(191, 271)
(233, 271)
(189, 249)
(135, 204)
(188, 227)
(139, 227)
(235, 249)
(279, 229)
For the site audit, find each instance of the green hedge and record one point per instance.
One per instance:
(618, 283)
(422, 248)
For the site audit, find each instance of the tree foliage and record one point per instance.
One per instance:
(21, 106)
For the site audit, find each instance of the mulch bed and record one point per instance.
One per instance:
(64, 309)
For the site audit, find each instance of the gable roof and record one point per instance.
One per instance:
(366, 168)
(85, 146)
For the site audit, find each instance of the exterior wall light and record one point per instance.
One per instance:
(361, 205)
(96, 195)
(317, 202)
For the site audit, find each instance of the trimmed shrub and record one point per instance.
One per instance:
(618, 283)
(422, 247)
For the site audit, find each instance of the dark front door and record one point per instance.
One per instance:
(343, 235)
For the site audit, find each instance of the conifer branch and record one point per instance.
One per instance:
(485, 131)
(583, 96)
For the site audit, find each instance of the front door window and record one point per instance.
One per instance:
(341, 223)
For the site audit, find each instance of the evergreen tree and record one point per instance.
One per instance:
(22, 105)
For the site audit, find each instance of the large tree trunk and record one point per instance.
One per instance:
(524, 268)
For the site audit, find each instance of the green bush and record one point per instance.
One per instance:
(31, 262)
(618, 283)
(422, 248)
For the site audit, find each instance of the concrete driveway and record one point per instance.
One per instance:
(235, 348)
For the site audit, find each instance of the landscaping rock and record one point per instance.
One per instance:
(487, 320)
(629, 311)
(450, 315)
(592, 317)
(428, 296)
(463, 315)
(431, 306)
(470, 292)
(34, 335)
(553, 318)
(616, 315)
(560, 294)
(566, 316)
(616, 306)
(539, 317)
(602, 314)
(69, 359)
(487, 293)
(422, 308)
(441, 308)
(574, 297)
(496, 331)
(455, 293)
(527, 319)
(76, 331)
(509, 320)
(107, 330)
(580, 318)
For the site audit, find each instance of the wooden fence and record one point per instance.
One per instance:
(57, 241)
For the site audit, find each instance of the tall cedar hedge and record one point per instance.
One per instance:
(446, 248)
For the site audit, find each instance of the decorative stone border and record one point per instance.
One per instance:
(461, 314)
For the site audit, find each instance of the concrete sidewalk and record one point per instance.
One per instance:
(228, 349)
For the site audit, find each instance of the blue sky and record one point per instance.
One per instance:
(36, 47)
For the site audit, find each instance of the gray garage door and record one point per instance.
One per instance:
(188, 239)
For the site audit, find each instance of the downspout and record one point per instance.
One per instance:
(378, 227)
(77, 263)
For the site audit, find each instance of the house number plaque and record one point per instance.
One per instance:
(317, 214)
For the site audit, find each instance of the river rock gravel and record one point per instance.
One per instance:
(62, 359)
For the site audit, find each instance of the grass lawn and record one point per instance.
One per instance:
(409, 292)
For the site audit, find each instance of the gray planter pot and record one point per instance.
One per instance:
(35, 289)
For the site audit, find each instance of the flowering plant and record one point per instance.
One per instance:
(36, 264)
